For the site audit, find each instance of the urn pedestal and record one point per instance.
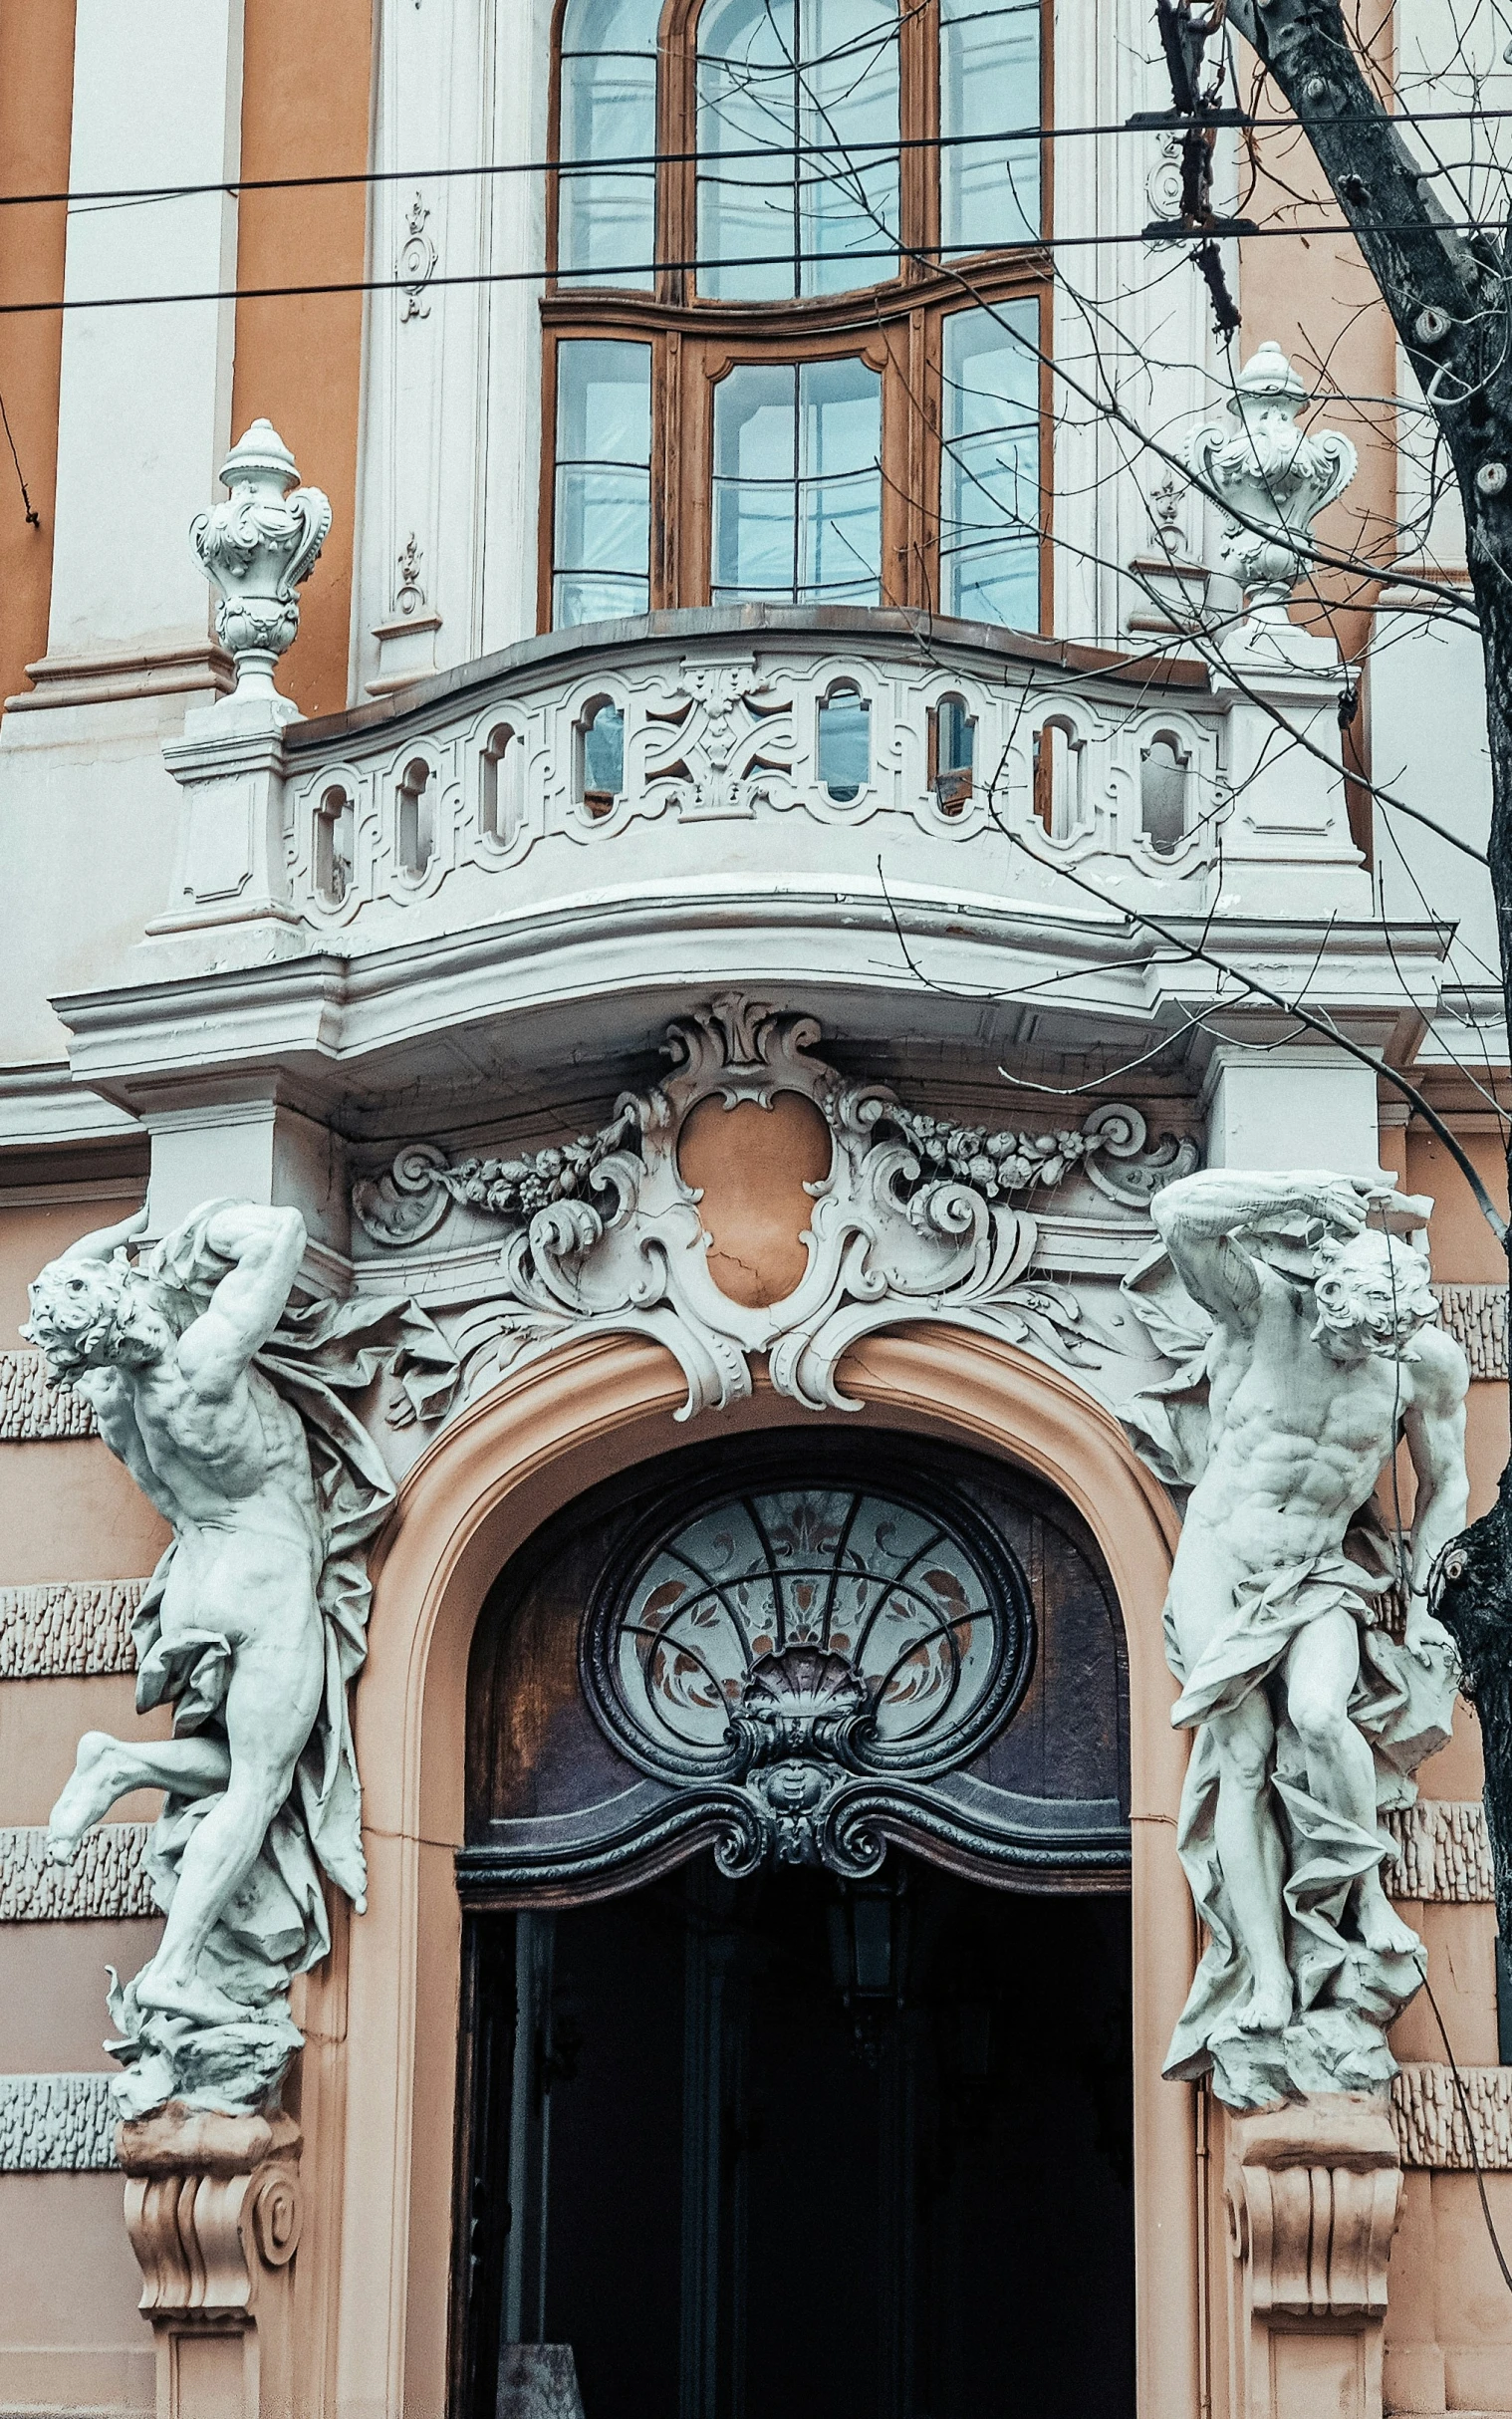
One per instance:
(212, 2206)
(1312, 2194)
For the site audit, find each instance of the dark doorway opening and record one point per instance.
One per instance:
(791, 2148)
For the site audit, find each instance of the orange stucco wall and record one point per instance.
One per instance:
(36, 108)
(306, 85)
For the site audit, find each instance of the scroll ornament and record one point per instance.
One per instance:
(914, 1218)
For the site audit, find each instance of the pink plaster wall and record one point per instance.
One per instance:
(70, 2334)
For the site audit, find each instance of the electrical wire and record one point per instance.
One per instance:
(629, 161)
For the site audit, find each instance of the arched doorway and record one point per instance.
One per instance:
(796, 2064)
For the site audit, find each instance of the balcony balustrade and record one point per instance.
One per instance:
(776, 752)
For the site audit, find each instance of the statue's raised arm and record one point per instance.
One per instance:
(264, 1248)
(1206, 1222)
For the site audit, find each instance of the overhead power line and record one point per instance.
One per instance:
(599, 280)
(1145, 123)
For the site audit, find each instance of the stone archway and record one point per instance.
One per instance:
(379, 2084)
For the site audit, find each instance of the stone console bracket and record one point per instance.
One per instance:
(1312, 2194)
(212, 2206)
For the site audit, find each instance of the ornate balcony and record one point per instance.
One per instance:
(907, 830)
(774, 751)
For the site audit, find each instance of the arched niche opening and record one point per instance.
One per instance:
(796, 2056)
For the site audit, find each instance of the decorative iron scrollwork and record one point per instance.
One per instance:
(775, 1654)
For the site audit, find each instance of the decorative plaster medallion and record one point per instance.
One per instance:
(912, 1220)
(415, 266)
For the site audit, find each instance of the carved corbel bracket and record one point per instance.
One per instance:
(214, 2214)
(1313, 2193)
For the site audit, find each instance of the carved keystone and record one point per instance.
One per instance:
(1312, 2194)
(212, 2206)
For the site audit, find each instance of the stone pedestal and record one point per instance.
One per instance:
(1312, 2194)
(212, 2206)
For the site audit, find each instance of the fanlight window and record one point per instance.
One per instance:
(809, 1623)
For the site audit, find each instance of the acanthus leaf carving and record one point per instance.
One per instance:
(915, 1217)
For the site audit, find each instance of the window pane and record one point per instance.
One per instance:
(755, 490)
(604, 753)
(774, 78)
(798, 484)
(606, 222)
(845, 745)
(603, 522)
(990, 475)
(989, 79)
(850, 102)
(840, 466)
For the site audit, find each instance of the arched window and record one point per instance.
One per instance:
(719, 157)
(797, 129)
(607, 104)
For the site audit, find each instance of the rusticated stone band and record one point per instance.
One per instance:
(1430, 2123)
(61, 1628)
(1443, 1852)
(107, 1878)
(57, 2125)
(1476, 1316)
(31, 1411)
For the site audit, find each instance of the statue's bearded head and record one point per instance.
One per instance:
(1373, 1294)
(93, 1314)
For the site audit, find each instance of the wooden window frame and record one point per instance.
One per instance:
(894, 324)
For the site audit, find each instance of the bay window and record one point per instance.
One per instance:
(763, 379)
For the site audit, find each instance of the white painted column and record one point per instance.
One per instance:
(1135, 316)
(452, 403)
(1293, 1107)
(145, 407)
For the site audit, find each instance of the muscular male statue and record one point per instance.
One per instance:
(1308, 1712)
(226, 1462)
(243, 1416)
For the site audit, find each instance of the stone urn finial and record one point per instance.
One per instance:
(256, 547)
(1277, 480)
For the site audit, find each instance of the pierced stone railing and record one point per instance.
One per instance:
(776, 750)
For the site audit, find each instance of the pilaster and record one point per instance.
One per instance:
(1313, 2193)
(1290, 1107)
(145, 400)
(214, 2213)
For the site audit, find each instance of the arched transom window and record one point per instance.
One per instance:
(766, 381)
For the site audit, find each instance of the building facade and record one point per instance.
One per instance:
(722, 852)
